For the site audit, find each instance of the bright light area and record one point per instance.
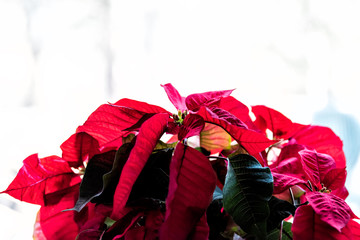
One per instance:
(60, 60)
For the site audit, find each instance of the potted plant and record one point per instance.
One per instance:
(136, 171)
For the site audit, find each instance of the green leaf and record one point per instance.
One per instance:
(161, 145)
(279, 210)
(111, 178)
(153, 181)
(92, 184)
(285, 235)
(247, 190)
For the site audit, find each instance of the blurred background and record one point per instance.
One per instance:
(61, 59)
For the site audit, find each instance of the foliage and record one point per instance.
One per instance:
(118, 179)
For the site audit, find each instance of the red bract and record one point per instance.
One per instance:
(316, 165)
(330, 208)
(238, 109)
(252, 141)
(78, 148)
(136, 186)
(39, 177)
(192, 182)
(308, 225)
(57, 224)
(268, 118)
(192, 125)
(149, 135)
(322, 139)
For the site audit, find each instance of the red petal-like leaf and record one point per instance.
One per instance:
(238, 109)
(201, 231)
(252, 141)
(291, 166)
(192, 183)
(78, 148)
(308, 225)
(175, 98)
(354, 228)
(193, 124)
(330, 208)
(55, 223)
(316, 165)
(139, 106)
(109, 122)
(197, 100)
(289, 151)
(93, 226)
(276, 122)
(341, 192)
(39, 177)
(147, 138)
(335, 178)
(323, 140)
(283, 182)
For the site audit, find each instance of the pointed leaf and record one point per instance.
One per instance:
(93, 221)
(175, 98)
(153, 181)
(291, 166)
(252, 141)
(148, 136)
(316, 165)
(308, 225)
(276, 122)
(201, 231)
(195, 101)
(279, 210)
(354, 228)
(247, 190)
(120, 227)
(92, 183)
(108, 123)
(283, 182)
(214, 138)
(286, 233)
(330, 208)
(193, 124)
(290, 150)
(39, 177)
(111, 178)
(192, 183)
(55, 223)
(323, 140)
(335, 178)
(238, 109)
(78, 148)
(341, 192)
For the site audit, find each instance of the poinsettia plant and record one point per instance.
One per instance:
(210, 171)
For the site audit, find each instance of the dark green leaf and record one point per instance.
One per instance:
(153, 181)
(161, 145)
(111, 178)
(285, 235)
(92, 183)
(279, 210)
(216, 219)
(247, 190)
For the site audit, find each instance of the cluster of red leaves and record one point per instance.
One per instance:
(311, 158)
